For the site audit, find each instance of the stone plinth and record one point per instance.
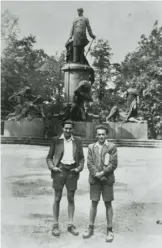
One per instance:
(73, 74)
(118, 131)
(85, 130)
(24, 128)
(129, 130)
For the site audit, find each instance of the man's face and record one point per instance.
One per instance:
(67, 129)
(80, 12)
(101, 135)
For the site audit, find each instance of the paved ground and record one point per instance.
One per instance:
(27, 199)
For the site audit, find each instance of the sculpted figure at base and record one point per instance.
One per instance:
(76, 110)
(29, 106)
(75, 47)
(81, 95)
(131, 113)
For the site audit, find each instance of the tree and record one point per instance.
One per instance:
(9, 27)
(23, 65)
(51, 69)
(105, 72)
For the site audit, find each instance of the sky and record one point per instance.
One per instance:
(121, 23)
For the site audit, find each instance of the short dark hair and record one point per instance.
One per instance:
(103, 127)
(80, 9)
(68, 122)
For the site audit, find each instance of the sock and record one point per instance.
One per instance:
(109, 229)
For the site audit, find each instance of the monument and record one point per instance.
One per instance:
(78, 75)
(28, 118)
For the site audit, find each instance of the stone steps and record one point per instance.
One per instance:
(86, 142)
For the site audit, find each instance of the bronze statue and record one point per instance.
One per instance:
(131, 113)
(132, 98)
(78, 33)
(76, 111)
(28, 107)
(81, 95)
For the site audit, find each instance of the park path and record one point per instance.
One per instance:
(27, 199)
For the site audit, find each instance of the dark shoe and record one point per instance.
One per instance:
(89, 232)
(72, 230)
(110, 236)
(55, 230)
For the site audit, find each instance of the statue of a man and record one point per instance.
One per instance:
(132, 98)
(78, 33)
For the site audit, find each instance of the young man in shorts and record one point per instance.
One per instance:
(65, 161)
(101, 162)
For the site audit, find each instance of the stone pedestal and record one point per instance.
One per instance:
(129, 130)
(117, 130)
(24, 128)
(73, 74)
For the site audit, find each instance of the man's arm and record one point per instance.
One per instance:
(113, 161)
(89, 29)
(91, 167)
(50, 155)
(81, 157)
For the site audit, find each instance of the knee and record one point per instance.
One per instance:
(70, 197)
(57, 199)
(58, 196)
(108, 204)
(94, 204)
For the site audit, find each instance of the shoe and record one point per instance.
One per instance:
(72, 230)
(110, 236)
(89, 232)
(55, 230)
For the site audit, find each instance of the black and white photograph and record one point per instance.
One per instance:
(81, 124)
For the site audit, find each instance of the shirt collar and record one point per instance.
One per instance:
(63, 137)
(98, 145)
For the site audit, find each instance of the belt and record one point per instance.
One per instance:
(67, 166)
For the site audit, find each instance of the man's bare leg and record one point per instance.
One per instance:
(56, 210)
(71, 210)
(109, 218)
(93, 212)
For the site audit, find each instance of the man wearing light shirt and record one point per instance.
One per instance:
(101, 162)
(65, 161)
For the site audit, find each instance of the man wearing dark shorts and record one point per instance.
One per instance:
(101, 162)
(65, 161)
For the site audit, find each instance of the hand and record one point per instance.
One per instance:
(103, 179)
(99, 175)
(75, 170)
(56, 169)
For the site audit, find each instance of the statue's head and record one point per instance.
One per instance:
(80, 11)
